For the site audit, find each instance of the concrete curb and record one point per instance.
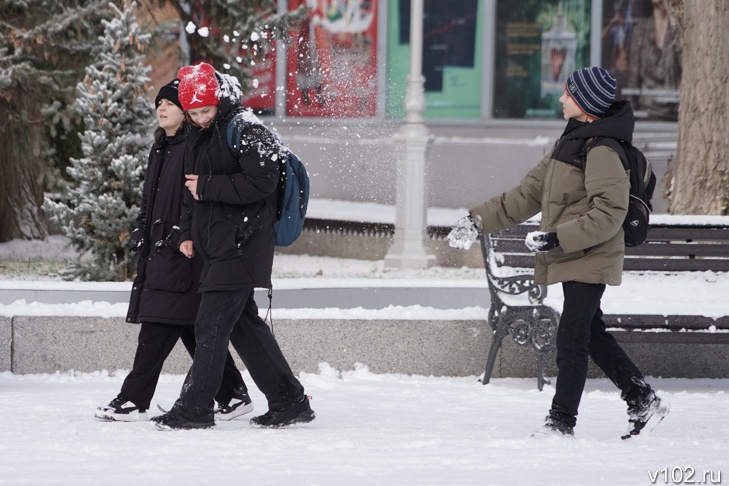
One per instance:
(42, 344)
(6, 343)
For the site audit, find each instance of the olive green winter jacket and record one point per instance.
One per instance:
(586, 208)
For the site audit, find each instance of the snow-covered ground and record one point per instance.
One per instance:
(370, 430)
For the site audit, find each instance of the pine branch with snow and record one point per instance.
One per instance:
(235, 35)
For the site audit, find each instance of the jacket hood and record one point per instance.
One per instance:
(231, 95)
(618, 124)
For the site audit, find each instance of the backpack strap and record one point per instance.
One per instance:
(619, 147)
(234, 132)
(233, 135)
(642, 179)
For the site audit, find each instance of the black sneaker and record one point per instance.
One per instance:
(553, 428)
(298, 412)
(172, 420)
(646, 416)
(236, 407)
(120, 410)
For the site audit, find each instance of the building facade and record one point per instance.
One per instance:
(494, 71)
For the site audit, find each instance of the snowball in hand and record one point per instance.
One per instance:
(463, 234)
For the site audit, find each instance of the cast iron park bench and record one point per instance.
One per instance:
(517, 304)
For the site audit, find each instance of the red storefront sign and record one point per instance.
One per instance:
(332, 62)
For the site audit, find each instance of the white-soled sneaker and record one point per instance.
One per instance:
(236, 407)
(645, 418)
(120, 410)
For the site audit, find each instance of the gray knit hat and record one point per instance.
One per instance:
(593, 89)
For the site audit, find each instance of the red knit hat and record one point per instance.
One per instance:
(198, 86)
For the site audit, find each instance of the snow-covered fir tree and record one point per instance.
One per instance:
(104, 198)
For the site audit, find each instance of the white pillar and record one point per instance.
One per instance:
(409, 248)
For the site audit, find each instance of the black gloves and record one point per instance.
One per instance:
(541, 241)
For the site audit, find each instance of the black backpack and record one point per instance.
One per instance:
(642, 184)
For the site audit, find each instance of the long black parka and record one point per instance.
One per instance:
(165, 289)
(231, 225)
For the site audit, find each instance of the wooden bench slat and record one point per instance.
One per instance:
(511, 246)
(675, 265)
(672, 322)
(634, 264)
(517, 232)
(517, 260)
(521, 260)
(717, 251)
(721, 338)
(694, 233)
(679, 249)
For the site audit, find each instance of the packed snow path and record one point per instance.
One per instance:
(370, 430)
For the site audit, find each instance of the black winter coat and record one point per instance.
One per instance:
(231, 225)
(165, 289)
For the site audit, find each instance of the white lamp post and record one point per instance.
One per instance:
(409, 249)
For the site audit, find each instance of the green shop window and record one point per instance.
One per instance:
(452, 57)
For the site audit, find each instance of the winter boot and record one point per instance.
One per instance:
(553, 427)
(645, 415)
(236, 407)
(120, 410)
(297, 413)
(172, 421)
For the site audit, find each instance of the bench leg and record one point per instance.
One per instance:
(499, 334)
(543, 339)
(542, 356)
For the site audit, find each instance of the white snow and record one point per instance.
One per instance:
(371, 429)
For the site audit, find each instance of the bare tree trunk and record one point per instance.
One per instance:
(21, 193)
(702, 161)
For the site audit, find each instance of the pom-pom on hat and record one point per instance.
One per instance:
(198, 86)
(593, 89)
(169, 92)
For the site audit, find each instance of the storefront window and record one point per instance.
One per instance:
(332, 63)
(260, 92)
(538, 44)
(641, 47)
(452, 53)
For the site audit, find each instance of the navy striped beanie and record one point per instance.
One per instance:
(593, 89)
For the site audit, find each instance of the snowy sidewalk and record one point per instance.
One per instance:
(384, 430)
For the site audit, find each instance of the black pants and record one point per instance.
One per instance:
(154, 345)
(233, 315)
(582, 333)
